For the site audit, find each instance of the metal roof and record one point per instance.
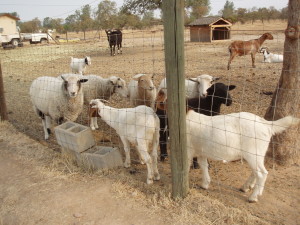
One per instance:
(207, 21)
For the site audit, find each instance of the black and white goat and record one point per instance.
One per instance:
(217, 95)
(271, 57)
(114, 38)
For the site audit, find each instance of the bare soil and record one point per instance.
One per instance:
(40, 186)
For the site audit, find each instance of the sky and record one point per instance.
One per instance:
(30, 9)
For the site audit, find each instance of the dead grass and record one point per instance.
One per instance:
(195, 209)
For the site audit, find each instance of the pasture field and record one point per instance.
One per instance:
(21, 141)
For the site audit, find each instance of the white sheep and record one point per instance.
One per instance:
(103, 88)
(194, 87)
(142, 91)
(138, 126)
(271, 57)
(57, 99)
(232, 137)
(79, 65)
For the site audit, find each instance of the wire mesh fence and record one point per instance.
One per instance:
(143, 52)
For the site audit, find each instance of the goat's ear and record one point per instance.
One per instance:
(231, 87)
(83, 80)
(216, 78)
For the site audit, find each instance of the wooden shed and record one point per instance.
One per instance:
(207, 29)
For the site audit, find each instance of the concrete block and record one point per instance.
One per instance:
(74, 136)
(98, 157)
(102, 157)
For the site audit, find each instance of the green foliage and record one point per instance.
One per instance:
(138, 14)
(228, 10)
(32, 26)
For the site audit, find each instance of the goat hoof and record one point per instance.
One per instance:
(149, 181)
(126, 165)
(205, 187)
(252, 200)
(156, 177)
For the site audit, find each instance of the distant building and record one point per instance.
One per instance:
(8, 24)
(207, 29)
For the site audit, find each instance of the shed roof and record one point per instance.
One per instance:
(209, 20)
(10, 16)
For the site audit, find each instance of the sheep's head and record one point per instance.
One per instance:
(268, 36)
(204, 82)
(72, 84)
(220, 93)
(120, 86)
(88, 60)
(145, 85)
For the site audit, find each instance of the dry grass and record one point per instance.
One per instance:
(195, 209)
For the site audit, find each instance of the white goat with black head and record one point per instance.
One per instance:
(79, 65)
(194, 87)
(57, 99)
(271, 57)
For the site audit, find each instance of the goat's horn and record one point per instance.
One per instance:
(192, 80)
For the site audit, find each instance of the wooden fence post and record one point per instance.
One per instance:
(173, 17)
(3, 111)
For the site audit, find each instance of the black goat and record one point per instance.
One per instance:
(217, 95)
(114, 38)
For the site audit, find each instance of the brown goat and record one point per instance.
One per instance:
(241, 48)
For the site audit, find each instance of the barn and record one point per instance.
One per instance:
(208, 29)
(8, 24)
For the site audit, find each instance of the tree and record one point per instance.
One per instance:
(228, 10)
(140, 6)
(107, 10)
(86, 22)
(71, 23)
(197, 7)
(286, 98)
(32, 26)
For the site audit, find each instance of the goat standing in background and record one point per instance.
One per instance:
(114, 38)
(241, 48)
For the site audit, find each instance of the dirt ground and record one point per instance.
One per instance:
(40, 186)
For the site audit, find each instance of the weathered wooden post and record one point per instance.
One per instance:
(173, 17)
(3, 111)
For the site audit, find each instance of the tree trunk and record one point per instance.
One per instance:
(285, 148)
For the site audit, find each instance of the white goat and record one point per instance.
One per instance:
(194, 87)
(142, 91)
(270, 57)
(231, 137)
(138, 126)
(104, 88)
(57, 99)
(79, 65)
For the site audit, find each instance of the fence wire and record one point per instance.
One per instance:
(143, 52)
